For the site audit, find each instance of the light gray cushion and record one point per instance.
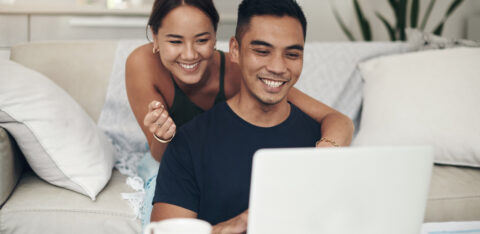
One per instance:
(454, 194)
(58, 138)
(11, 165)
(49, 209)
(82, 68)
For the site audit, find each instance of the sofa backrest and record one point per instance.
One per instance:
(11, 165)
(82, 68)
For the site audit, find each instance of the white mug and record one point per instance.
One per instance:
(179, 226)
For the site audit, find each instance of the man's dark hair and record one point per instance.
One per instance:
(250, 8)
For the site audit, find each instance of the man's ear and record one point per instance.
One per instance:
(234, 50)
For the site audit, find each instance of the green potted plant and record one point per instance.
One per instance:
(396, 30)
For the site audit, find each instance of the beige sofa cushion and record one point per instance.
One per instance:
(454, 194)
(50, 209)
(85, 77)
(11, 165)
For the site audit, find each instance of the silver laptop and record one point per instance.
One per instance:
(339, 190)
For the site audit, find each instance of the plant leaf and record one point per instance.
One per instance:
(393, 4)
(453, 6)
(364, 24)
(427, 14)
(344, 27)
(402, 19)
(390, 29)
(438, 30)
(414, 12)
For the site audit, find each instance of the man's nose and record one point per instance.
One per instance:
(277, 64)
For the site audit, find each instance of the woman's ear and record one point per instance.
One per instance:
(154, 37)
(234, 50)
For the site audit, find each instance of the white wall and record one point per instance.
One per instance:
(228, 14)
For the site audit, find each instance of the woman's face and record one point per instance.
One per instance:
(186, 42)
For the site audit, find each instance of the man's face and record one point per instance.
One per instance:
(270, 56)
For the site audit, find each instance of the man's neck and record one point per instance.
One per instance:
(259, 114)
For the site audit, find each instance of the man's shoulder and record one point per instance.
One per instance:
(204, 120)
(298, 114)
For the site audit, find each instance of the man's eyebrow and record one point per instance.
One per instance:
(295, 47)
(264, 43)
(261, 43)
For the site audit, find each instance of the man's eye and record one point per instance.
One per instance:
(175, 42)
(261, 52)
(293, 55)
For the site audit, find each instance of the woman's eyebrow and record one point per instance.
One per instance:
(175, 36)
(180, 36)
(202, 34)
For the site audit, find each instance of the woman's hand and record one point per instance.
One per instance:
(159, 122)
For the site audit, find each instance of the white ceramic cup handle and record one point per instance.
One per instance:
(150, 229)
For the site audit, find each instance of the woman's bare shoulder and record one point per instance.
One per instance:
(145, 76)
(141, 56)
(143, 64)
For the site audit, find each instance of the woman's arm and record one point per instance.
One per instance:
(335, 126)
(142, 71)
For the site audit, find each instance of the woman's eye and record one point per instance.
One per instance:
(175, 42)
(202, 40)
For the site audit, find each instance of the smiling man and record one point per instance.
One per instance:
(205, 171)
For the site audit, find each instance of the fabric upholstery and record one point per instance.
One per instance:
(11, 165)
(454, 194)
(38, 207)
(428, 97)
(82, 68)
(60, 141)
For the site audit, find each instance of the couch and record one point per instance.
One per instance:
(30, 204)
(82, 68)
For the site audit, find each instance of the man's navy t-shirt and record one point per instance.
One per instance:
(207, 167)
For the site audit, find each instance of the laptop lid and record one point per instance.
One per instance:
(339, 190)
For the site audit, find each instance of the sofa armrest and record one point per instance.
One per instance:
(12, 164)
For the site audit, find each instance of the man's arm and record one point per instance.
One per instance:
(176, 191)
(335, 127)
(163, 211)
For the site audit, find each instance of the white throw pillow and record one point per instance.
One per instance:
(428, 97)
(61, 143)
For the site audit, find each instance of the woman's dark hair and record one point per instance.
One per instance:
(162, 7)
(251, 8)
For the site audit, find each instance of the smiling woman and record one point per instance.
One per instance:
(185, 76)
(186, 46)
